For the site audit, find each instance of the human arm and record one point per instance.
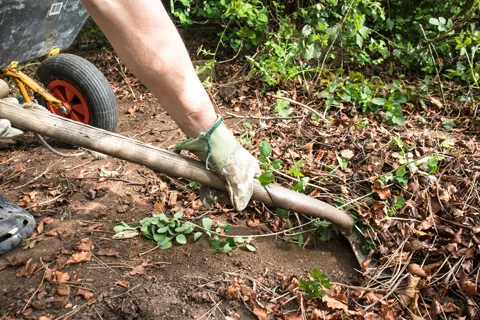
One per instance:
(148, 43)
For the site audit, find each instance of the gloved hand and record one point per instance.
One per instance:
(224, 155)
(6, 130)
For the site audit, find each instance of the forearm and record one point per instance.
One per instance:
(148, 43)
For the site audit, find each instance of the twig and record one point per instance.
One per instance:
(111, 179)
(123, 293)
(299, 104)
(72, 312)
(106, 265)
(148, 251)
(39, 176)
(38, 288)
(389, 292)
(98, 314)
(48, 201)
(264, 118)
(435, 64)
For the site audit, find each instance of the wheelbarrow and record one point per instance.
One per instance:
(67, 85)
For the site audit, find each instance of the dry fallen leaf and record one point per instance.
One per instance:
(159, 207)
(107, 252)
(61, 277)
(416, 270)
(63, 289)
(27, 270)
(467, 285)
(85, 244)
(52, 233)
(127, 234)
(122, 283)
(79, 257)
(15, 261)
(95, 226)
(139, 269)
(383, 192)
(84, 293)
(233, 290)
(347, 153)
(335, 304)
(260, 311)
(253, 223)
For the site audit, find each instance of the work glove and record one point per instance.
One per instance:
(6, 130)
(224, 155)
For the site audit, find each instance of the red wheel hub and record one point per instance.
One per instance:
(72, 98)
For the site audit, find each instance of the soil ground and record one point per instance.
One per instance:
(184, 282)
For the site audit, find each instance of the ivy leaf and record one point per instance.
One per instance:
(265, 148)
(266, 178)
(227, 248)
(401, 172)
(207, 223)
(277, 164)
(216, 244)
(378, 101)
(281, 107)
(281, 213)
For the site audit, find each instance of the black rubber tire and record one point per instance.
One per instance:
(86, 78)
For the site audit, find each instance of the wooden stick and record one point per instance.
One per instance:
(169, 163)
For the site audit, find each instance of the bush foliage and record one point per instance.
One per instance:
(289, 38)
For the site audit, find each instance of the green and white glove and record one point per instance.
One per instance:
(224, 155)
(6, 130)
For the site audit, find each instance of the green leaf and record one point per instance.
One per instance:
(434, 21)
(296, 169)
(277, 164)
(180, 238)
(216, 244)
(178, 215)
(282, 212)
(119, 228)
(207, 223)
(250, 247)
(162, 230)
(401, 171)
(299, 186)
(281, 107)
(317, 275)
(227, 248)
(158, 237)
(265, 148)
(300, 240)
(197, 235)
(398, 141)
(239, 240)
(166, 245)
(266, 178)
(378, 101)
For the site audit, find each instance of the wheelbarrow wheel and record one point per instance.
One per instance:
(82, 87)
